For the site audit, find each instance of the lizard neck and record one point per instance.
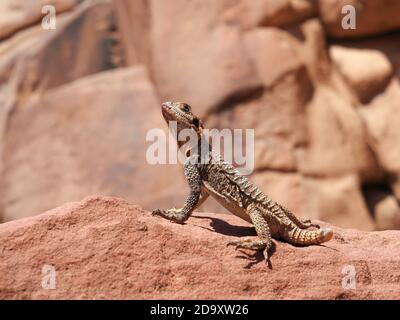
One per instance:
(200, 138)
(201, 147)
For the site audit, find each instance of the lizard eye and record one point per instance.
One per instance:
(186, 108)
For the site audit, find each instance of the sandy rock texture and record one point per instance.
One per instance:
(372, 16)
(106, 248)
(19, 14)
(76, 102)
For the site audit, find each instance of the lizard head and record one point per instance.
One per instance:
(182, 114)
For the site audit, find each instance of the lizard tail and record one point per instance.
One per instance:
(303, 237)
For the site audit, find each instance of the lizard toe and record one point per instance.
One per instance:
(157, 212)
(236, 243)
(231, 243)
(247, 244)
(308, 224)
(266, 254)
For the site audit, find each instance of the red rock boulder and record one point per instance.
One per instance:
(105, 248)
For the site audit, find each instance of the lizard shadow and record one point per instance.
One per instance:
(227, 229)
(257, 257)
(222, 227)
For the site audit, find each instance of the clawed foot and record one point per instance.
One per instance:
(159, 212)
(171, 214)
(251, 243)
(308, 224)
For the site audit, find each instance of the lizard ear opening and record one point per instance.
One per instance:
(187, 153)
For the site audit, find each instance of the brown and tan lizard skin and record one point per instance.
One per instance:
(208, 174)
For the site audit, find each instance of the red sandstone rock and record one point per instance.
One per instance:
(372, 16)
(366, 81)
(134, 20)
(201, 59)
(18, 14)
(337, 138)
(268, 47)
(35, 60)
(106, 248)
(87, 136)
(382, 117)
(252, 13)
(385, 207)
(338, 200)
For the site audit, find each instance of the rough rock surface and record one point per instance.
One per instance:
(267, 58)
(31, 62)
(270, 12)
(385, 208)
(366, 81)
(372, 16)
(337, 200)
(133, 20)
(106, 248)
(17, 14)
(213, 57)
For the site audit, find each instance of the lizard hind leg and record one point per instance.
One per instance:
(262, 241)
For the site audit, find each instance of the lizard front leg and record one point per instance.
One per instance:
(263, 241)
(192, 201)
(203, 196)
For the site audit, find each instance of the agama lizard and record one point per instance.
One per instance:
(218, 178)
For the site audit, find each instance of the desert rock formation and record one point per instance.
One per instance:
(106, 248)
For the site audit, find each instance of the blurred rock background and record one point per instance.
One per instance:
(76, 102)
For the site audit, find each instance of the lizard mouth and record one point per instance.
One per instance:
(167, 111)
(173, 114)
(170, 113)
